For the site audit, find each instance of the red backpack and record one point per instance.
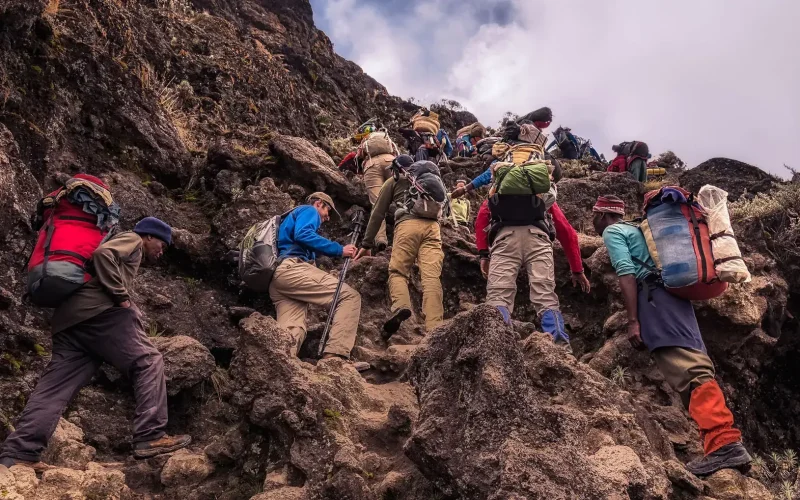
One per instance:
(618, 164)
(72, 222)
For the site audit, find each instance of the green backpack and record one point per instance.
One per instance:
(529, 178)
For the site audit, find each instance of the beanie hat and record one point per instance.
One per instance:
(403, 161)
(609, 204)
(154, 227)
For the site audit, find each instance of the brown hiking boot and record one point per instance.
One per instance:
(38, 467)
(164, 444)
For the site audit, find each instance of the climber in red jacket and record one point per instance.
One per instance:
(565, 234)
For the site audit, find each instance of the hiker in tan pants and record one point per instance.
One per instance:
(297, 282)
(416, 240)
(514, 247)
(376, 172)
(295, 285)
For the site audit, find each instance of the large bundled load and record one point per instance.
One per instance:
(523, 179)
(728, 260)
(72, 222)
(524, 153)
(474, 131)
(676, 230)
(378, 143)
(425, 122)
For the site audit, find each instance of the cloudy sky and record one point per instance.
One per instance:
(704, 78)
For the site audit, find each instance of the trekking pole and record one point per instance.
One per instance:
(358, 227)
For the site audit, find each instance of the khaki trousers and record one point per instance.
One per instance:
(514, 247)
(418, 240)
(376, 174)
(295, 285)
(684, 369)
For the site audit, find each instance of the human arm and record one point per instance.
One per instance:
(306, 224)
(568, 238)
(481, 225)
(107, 259)
(378, 213)
(620, 255)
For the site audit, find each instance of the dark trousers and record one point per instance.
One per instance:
(115, 336)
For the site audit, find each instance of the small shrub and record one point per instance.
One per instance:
(37, 69)
(153, 331)
(332, 416)
(13, 362)
(220, 381)
(785, 197)
(39, 350)
(786, 491)
(620, 376)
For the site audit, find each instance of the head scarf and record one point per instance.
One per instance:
(609, 204)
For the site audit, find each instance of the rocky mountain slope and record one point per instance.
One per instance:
(212, 114)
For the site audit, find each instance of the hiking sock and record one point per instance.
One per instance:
(505, 313)
(553, 323)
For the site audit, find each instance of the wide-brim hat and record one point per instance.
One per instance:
(327, 199)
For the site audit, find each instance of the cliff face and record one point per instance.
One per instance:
(215, 114)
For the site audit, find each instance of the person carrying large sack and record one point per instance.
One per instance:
(298, 283)
(631, 158)
(98, 323)
(666, 325)
(417, 190)
(376, 154)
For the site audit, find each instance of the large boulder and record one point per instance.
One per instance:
(576, 197)
(186, 362)
(66, 448)
(729, 484)
(311, 166)
(20, 483)
(735, 177)
(500, 418)
(186, 469)
(320, 418)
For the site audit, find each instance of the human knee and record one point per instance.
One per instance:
(350, 295)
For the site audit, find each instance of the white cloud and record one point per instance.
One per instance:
(710, 78)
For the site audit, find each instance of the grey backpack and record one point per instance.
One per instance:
(258, 253)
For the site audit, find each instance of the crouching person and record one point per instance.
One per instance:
(99, 323)
(666, 325)
(297, 282)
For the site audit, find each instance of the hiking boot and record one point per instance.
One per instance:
(38, 467)
(164, 444)
(730, 456)
(505, 313)
(391, 326)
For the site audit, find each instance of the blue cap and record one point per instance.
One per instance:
(154, 227)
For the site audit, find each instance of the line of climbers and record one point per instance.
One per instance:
(85, 268)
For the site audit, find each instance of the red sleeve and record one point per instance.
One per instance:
(568, 238)
(481, 225)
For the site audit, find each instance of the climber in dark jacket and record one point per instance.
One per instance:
(99, 323)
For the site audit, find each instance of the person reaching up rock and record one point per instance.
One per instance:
(417, 238)
(297, 282)
(666, 325)
(99, 323)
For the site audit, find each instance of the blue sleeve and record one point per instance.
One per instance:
(618, 251)
(305, 233)
(482, 180)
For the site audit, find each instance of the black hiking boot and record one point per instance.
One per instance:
(164, 444)
(391, 326)
(730, 456)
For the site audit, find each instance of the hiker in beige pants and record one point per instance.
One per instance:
(376, 172)
(418, 240)
(295, 285)
(513, 247)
